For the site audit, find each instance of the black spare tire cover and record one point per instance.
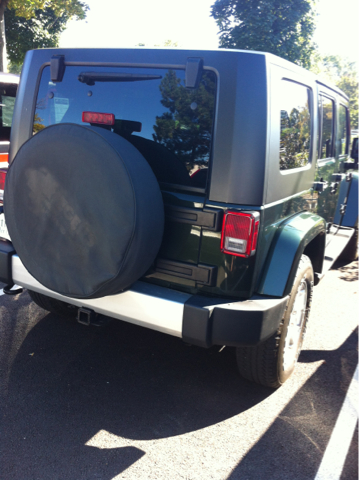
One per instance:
(84, 210)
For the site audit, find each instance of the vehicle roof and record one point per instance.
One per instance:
(271, 58)
(9, 77)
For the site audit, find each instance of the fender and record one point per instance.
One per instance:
(349, 190)
(288, 245)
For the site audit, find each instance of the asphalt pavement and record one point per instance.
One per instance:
(124, 402)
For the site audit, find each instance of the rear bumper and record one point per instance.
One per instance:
(196, 319)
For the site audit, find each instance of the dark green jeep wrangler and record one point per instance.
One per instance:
(198, 193)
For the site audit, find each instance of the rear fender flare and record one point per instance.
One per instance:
(288, 245)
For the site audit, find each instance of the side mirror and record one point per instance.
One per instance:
(354, 150)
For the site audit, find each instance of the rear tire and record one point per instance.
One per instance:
(273, 361)
(52, 305)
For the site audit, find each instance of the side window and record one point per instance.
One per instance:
(7, 103)
(343, 130)
(326, 106)
(295, 125)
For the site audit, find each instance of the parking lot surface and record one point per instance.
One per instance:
(123, 402)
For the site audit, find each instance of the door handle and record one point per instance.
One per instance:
(334, 187)
(320, 186)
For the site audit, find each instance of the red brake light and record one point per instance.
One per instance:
(4, 157)
(2, 179)
(240, 233)
(97, 117)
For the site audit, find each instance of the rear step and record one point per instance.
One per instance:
(336, 242)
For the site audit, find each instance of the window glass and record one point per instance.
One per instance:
(295, 125)
(343, 130)
(7, 103)
(327, 126)
(169, 124)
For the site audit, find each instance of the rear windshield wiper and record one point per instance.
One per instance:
(91, 77)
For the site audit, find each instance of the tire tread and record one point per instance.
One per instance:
(259, 363)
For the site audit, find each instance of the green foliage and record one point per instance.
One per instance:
(295, 139)
(349, 85)
(28, 8)
(42, 31)
(34, 24)
(344, 74)
(282, 27)
(187, 125)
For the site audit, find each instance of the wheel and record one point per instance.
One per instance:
(272, 362)
(52, 305)
(84, 210)
(350, 252)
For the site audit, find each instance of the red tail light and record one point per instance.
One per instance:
(240, 233)
(2, 179)
(96, 117)
(4, 157)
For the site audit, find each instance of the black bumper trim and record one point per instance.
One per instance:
(209, 321)
(6, 252)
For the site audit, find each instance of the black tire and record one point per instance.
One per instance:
(350, 252)
(272, 362)
(84, 210)
(52, 305)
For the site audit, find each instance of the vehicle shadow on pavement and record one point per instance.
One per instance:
(67, 382)
(295, 443)
(349, 272)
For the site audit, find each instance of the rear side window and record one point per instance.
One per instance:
(343, 130)
(326, 110)
(7, 103)
(169, 124)
(295, 125)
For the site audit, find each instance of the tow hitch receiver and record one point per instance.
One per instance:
(87, 317)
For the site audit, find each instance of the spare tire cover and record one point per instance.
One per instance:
(84, 210)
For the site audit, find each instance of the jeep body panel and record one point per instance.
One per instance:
(290, 240)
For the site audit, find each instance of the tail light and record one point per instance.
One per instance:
(240, 233)
(2, 178)
(4, 157)
(100, 118)
(2, 184)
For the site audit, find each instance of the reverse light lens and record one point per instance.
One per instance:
(97, 117)
(239, 234)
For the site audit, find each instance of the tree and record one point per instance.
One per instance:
(344, 74)
(23, 34)
(282, 27)
(186, 127)
(39, 20)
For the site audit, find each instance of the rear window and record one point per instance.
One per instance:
(7, 103)
(169, 124)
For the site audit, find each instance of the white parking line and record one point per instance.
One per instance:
(336, 452)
